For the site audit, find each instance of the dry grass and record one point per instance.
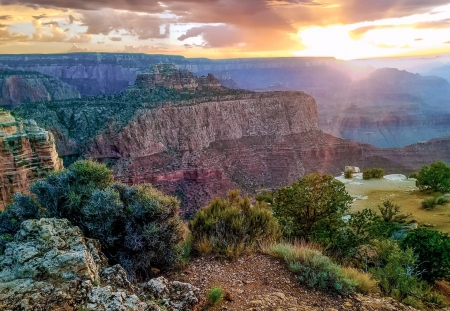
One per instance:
(364, 281)
(204, 245)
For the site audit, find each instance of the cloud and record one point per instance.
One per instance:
(38, 17)
(143, 26)
(77, 48)
(215, 36)
(6, 36)
(116, 39)
(51, 24)
(47, 33)
(5, 17)
(80, 38)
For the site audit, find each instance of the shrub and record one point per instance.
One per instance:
(229, 226)
(348, 174)
(138, 227)
(390, 212)
(373, 173)
(431, 203)
(398, 275)
(313, 268)
(315, 201)
(432, 249)
(214, 295)
(435, 177)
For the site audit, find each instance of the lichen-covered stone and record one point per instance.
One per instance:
(27, 153)
(50, 266)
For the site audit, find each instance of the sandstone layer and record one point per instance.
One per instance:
(27, 153)
(49, 265)
(198, 140)
(18, 87)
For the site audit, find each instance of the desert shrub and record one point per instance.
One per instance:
(316, 202)
(431, 203)
(432, 249)
(348, 174)
(391, 212)
(265, 196)
(214, 295)
(313, 268)
(435, 177)
(398, 275)
(373, 173)
(138, 227)
(229, 226)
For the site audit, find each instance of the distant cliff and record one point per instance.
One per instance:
(18, 87)
(27, 153)
(197, 140)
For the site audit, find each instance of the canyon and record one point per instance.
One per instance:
(388, 108)
(27, 153)
(17, 87)
(195, 139)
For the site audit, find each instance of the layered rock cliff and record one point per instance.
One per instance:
(18, 87)
(27, 153)
(198, 142)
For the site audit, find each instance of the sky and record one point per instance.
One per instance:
(344, 29)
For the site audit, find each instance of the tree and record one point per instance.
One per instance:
(435, 177)
(312, 203)
(432, 248)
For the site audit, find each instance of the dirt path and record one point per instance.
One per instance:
(261, 282)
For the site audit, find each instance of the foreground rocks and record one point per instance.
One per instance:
(50, 266)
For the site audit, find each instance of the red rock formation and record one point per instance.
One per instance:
(27, 153)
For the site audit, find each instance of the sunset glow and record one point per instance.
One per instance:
(220, 29)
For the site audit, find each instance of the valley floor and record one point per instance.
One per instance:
(371, 193)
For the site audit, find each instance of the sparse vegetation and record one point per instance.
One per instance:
(373, 173)
(230, 226)
(313, 268)
(214, 296)
(431, 203)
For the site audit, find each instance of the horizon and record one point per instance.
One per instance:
(219, 29)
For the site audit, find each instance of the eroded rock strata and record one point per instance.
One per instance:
(17, 87)
(27, 153)
(197, 140)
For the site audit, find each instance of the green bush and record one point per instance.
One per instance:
(313, 268)
(214, 295)
(373, 173)
(316, 202)
(348, 174)
(432, 249)
(229, 226)
(398, 274)
(431, 203)
(138, 227)
(435, 177)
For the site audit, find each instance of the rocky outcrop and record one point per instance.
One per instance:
(169, 77)
(17, 87)
(27, 153)
(50, 266)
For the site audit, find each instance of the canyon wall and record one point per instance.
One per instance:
(18, 87)
(192, 138)
(27, 154)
